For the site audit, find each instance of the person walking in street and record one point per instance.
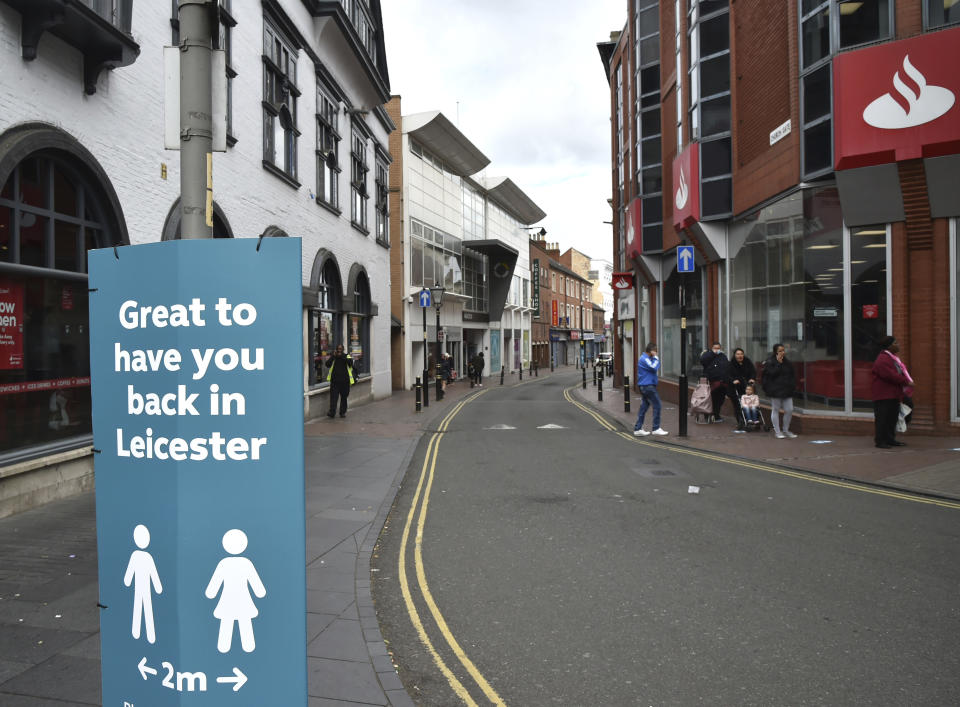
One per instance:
(446, 368)
(740, 373)
(340, 377)
(478, 369)
(715, 364)
(779, 382)
(647, 367)
(890, 381)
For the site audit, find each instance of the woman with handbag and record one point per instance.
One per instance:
(890, 381)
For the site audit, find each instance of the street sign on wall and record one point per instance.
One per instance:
(196, 366)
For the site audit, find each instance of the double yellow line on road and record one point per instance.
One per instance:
(804, 476)
(424, 485)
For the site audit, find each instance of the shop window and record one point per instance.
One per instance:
(787, 285)
(359, 348)
(51, 212)
(941, 12)
(869, 306)
(325, 321)
(670, 344)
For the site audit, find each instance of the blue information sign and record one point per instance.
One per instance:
(196, 365)
(685, 259)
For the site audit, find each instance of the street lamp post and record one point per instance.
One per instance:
(436, 294)
(426, 363)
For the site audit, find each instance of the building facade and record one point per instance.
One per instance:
(83, 165)
(464, 236)
(809, 151)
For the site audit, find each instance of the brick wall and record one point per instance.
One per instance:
(765, 95)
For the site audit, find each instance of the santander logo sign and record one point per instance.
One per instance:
(683, 193)
(915, 102)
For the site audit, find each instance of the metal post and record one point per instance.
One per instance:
(439, 377)
(600, 390)
(502, 371)
(521, 370)
(683, 357)
(426, 363)
(196, 119)
(626, 393)
(417, 386)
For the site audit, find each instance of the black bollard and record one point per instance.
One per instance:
(503, 370)
(584, 378)
(626, 393)
(536, 370)
(425, 387)
(417, 387)
(521, 371)
(439, 384)
(600, 390)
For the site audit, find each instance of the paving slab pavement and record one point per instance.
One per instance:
(927, 465)
(49, 625)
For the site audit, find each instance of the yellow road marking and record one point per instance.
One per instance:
(430, 461)
(804, 476)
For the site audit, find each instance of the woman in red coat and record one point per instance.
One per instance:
(889, 378)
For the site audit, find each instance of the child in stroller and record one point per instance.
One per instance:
(750, 408)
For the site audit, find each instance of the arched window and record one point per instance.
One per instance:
(326, 318)
(360, 324)
(53, 209)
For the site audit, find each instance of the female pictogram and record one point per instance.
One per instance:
(238, 577)
(142, 572)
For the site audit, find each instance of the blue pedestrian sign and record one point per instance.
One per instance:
(198, 438)
(425, 298)
(685, 260)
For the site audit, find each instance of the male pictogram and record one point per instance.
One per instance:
(237, 576)
(142, 573)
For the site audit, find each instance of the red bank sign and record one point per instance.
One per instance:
(897, 101)
(634, 230)
(686, 187)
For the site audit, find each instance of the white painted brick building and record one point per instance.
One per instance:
(83, 164)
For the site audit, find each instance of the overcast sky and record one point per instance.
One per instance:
(523, 81)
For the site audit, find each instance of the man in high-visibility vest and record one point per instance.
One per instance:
(340, 377)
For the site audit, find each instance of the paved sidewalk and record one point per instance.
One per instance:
(927, 465)
(49, 627)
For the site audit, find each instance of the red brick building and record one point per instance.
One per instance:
(809, 151)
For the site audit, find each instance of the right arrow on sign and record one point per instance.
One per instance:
(240, 679)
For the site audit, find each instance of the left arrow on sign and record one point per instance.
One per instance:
(240, 679)
(144, 668)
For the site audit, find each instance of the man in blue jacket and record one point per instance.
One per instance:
(647, 368)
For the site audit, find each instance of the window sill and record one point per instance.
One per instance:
(329, 207)
(277, 172)
(358, 227)
(383, 243)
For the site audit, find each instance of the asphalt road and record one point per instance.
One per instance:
(574, 566)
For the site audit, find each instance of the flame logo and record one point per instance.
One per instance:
(915, 103)
(683, 193)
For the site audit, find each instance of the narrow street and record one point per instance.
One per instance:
(566, 563)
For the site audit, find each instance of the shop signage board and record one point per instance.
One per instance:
(686, 187)
(897, 101)
(622, 281)
(11, 325)
(198, 437)
(536, 288)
